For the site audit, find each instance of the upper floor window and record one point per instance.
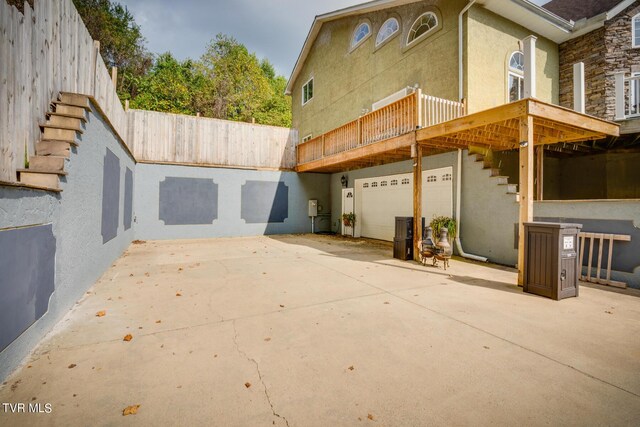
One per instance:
(390, 27)
(360, 34)
(635, 31)
(422, 26)
(515, 81)
(307, 138)
(307, 91)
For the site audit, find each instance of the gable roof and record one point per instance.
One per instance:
(539, 20)
(576, 10)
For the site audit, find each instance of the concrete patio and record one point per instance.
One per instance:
(312, 330)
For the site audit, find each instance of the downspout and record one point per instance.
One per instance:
(461, 251)
(460, 52)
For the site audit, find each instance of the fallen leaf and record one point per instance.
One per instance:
(158, 321)
(486, 347)
(267, 339)
(28, 367)
(147, 274)
(131, 275)
(180, 269)
(608, 312)
(73, 365)
(215, 355)
(130, 410)
(139, 282)
(281, 305)
(139, 242)
(178, 294)
(387, 302)
(370, 417)
(127, 337)
(247, 385)
(351, 368)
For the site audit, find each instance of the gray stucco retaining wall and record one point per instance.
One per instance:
(243, 200)
(76, 219)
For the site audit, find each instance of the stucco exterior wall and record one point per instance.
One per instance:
(489, 42)
(346, 82)
(229, 204)
(81, 257)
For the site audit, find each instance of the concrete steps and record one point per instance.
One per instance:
(59, 133)
(494, 174)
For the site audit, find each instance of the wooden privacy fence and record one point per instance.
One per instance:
(45, 51)
(398, 118)
(175, 138)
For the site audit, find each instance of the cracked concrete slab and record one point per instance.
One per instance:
(312, 330)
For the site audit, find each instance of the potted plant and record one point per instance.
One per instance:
(349, 219)
(437, 223)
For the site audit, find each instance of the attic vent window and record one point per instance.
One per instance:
(422, 26)
(388, 29)
(362, 32)
(446, 177)
(307, 91)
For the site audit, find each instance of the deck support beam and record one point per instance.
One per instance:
(525, 187)
(540, 172)
(417, 201)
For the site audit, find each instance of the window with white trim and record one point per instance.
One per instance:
(635, 31)
(362, 32)
(634, 96)
(515, 79)
(307, 91)
(446, 177)
(307, 138)
(425, 24)
(390, 27)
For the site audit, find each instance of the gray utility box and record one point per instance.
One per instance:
(551, 264)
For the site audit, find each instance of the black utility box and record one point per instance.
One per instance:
(404, 227)
(551, 264)
(403, 249)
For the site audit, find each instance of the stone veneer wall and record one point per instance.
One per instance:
(604, 52)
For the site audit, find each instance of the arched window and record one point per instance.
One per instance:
(361, 33)
(388, 29)
(425, 23)
(515, 82)
(635, 31)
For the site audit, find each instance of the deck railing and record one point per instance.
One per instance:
(398, 118)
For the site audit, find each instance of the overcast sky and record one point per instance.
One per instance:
(275, 29)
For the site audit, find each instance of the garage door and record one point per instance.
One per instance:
(379, 200)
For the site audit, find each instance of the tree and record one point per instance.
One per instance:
(276, 110)
(169, 86)
(121, 42)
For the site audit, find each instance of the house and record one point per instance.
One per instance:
(380, 83)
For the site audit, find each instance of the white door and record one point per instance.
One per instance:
(379, 200)
(347, 207)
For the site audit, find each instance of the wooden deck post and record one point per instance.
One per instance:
(525, 187)
(417, 201)
(540, 173)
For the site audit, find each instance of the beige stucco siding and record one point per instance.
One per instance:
(346, 82)
(490, 40)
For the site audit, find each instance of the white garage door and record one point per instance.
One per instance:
(379, 200)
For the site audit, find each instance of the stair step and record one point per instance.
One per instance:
(39, 179)
(69, 110)
(71, 104)
(511, 188)
(81, 117)
(59, 134)
(50, 163)
(43, 171)
(501, 180)
(63, 122)
(75, 99)
(495, 172)
(54, 148)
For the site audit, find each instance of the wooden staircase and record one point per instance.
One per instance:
(59, 132)
(494, 173)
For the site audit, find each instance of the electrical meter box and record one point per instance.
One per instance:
(551, 264)
(313, 208)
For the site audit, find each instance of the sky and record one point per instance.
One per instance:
(272, 29)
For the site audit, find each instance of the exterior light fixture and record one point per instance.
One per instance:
(344, 180)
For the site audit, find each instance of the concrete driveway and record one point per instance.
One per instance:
(321, 331)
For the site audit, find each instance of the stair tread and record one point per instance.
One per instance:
(72, 116)
(60, 140)
(52, 126)
(50, 172)
(86, 107)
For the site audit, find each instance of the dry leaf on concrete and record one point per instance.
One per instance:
(73, 365)
(267, 339)
(101, 313)
(370, 417)
(158, 321)
(130, 410)
(127, 337)
(247, 385)
(178, 294)
(351, 368)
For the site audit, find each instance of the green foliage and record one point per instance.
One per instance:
(439, 222)
(169, 86)
(121, 42)
(349, 219)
